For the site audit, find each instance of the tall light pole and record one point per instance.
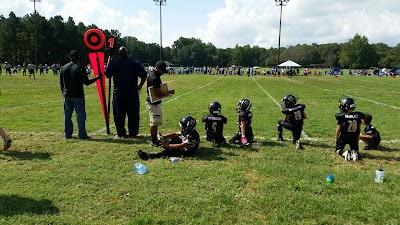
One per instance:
(160, 3)
(34, 25)
(280, 3)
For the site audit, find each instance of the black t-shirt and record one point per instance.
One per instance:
(371, 130)
(350, 122)
(247, 117)
(192, 138)
(215, 123)
(295, 114)
(153, 80)
(72, 78)
(125, 73)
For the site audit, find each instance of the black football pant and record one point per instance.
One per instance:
(296, 131)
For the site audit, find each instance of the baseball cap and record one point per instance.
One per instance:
(74, 54)
(162, 66)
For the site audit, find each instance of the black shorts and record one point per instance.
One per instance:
(374, 141)
(218, 138)
(351, 140)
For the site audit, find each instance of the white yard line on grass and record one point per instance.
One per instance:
(177, 97)
(277, 103)
(366, 88)
(394, 141)
(372, 81)
(332, 91)
(35, 105)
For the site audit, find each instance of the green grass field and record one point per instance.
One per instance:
(45, 179)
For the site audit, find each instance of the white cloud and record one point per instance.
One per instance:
(256, 22)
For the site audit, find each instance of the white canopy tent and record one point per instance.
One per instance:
(289, 63)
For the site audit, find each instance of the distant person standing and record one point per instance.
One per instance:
(8, 68)
(155, 112)
(41, 69)
(125, 73)
(72, 78)
(31, 69)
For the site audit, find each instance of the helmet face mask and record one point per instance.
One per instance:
(187, 123)
(244, 105)
(346, 104)
(215, 108)
(288, 101)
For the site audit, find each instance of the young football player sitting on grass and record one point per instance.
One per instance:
(348, 129)
(293, 121)
(182, 143)
(244, 137)
(371, 136)
(214, 124)
(6, 139)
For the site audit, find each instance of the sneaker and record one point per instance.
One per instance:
(119, 137)
(156, 143)
(368, 147)
(143, 155)
(7, 142)
(354, 155)
(298, 145)
(346, 155)
(280, 139)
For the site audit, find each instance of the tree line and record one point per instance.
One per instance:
(55, 37)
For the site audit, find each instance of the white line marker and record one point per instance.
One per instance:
(328, 90)
(394, 141)
(277, 103)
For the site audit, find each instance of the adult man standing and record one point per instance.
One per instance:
(72, 78)
(31, 68)
(154, 108)
(125, 73)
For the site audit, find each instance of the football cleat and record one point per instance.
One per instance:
(346, 155)
(354, 155)
(7, 142)
(298, 145)
(143, 155)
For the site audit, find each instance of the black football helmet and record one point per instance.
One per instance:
(187, 123)
(215, 108)
(346, 103)
(288, 101)
(244, 105)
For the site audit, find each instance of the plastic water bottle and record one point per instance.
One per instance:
(176, 159)
(140, 168)
(379, 174)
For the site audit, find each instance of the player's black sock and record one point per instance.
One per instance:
(280, 132)
(153, 138)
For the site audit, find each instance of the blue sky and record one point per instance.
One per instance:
(226, 23)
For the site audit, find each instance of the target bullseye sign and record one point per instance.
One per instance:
(94, 39)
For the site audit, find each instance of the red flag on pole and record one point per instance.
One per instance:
(95, 40)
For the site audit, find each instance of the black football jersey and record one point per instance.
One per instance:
(215, 123)
(247, 117)
(192, 138)
(350, 122)
(295, 114)
(371, 130)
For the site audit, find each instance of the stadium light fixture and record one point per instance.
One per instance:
(161, 3)
(280, 3)
(34, 26)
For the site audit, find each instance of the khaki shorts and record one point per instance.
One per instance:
(155, 114)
